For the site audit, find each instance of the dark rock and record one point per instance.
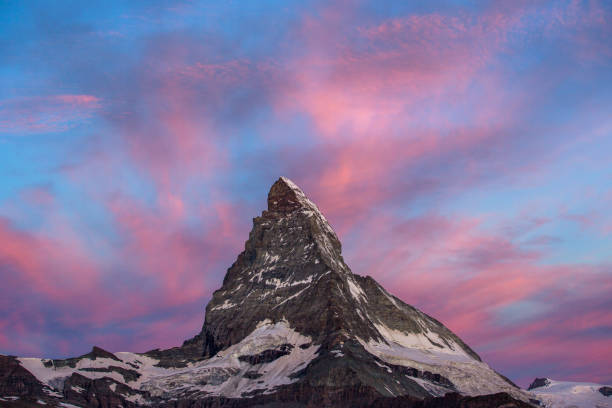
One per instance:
(539, 382)
(102, 392)
(16, 380)
(96, 352)
(191, 350)
(252, 375)
(128, 375)
(283, 198)
(607, 391)
(305, 396)
(267, 356)
(453, 400)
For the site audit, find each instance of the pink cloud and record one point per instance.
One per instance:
(45, 265)
(38, 196)
(159, 257)
(167, 255)
(41, 114)
(362, 89)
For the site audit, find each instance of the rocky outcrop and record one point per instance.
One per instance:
(102, 393)
(267, 356)
(606, 391)
(538, 382)
(96, 352)
(16, 380)
(127, 374)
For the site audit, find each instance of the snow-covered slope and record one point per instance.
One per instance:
(468, 375)
(564, 394)
(262, 361)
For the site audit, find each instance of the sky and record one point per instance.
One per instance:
(460, 149)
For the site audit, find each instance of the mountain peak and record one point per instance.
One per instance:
(291, 323)
(286, 196)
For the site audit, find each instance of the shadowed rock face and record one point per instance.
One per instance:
(291, 326)
(16, 380)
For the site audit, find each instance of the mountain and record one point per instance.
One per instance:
(291, 326)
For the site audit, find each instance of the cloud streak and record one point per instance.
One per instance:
(44, 114)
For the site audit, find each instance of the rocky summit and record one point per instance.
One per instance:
(291, 326)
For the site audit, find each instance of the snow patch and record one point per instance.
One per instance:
(356, 290)
(383, 366)
(389, 297)
(52, 393)
(223, 374)
(78, 389)
(389, 391)
(433, 389)
(470, 376)
(54, 377)
(421, 345)
(290, 297)
(564, 394)
(278, 284)
(227, 304)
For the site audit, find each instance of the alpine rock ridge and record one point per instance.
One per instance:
(291, 326)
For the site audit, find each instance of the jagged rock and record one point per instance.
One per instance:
(539, 382)
(191, 350)
(96, 352)
(16, 380)
(252, 375)
(127, 374)
(103, 393)
(606, 391)
(267, 356)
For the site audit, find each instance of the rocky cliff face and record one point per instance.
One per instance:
(290, 326)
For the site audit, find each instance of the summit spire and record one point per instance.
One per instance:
(286, 196)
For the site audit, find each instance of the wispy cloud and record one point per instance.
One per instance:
(44, 114)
